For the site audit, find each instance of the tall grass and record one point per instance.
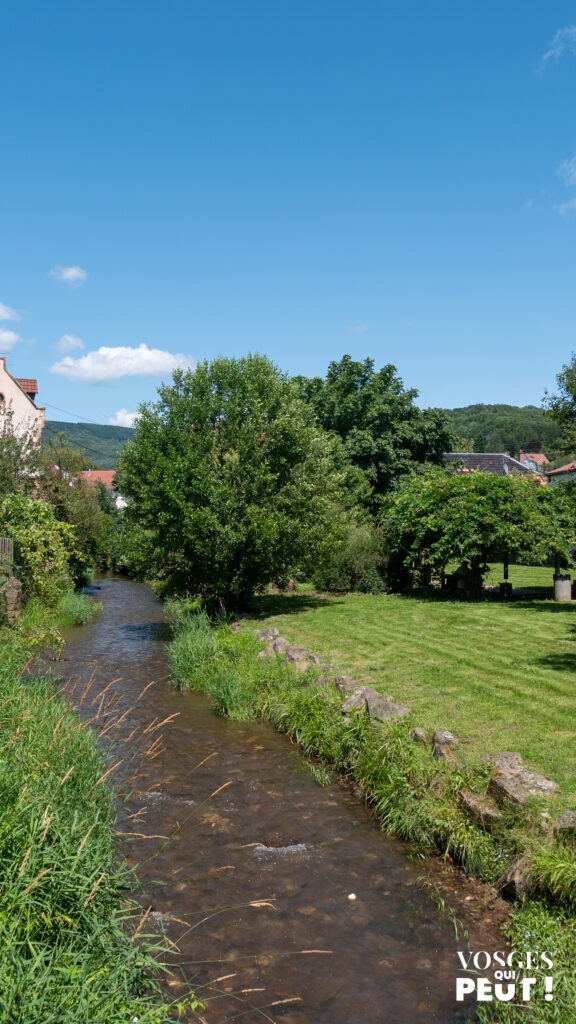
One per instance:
(66, 926)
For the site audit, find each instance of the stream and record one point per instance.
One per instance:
(254, 883)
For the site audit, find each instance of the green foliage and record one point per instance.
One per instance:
(437, 518)
(506, 428)
(75, 501)
(562, 406)
(383, 431)
(76, 609)
(18, 456)
(100, 444)
(43, 547)
(231, 482)
(355, 563)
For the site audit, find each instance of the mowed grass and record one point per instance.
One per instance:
(520, 576)
(502, 676)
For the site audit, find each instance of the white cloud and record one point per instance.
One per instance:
(69, 275)
(7, 313)
(567, 171)
(123, 418)
(565, 208)
(106, 364)
(564, 40)
(68, 342)
(357, 328)
(7, 339)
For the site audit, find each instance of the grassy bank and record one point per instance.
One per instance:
(65, 924)
(411, 795)
(499, 675)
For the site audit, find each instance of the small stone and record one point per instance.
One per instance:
(379, 706)
(344, 684)
(266, 634)
(419, 736)
(567, 823)
(515, 881)
(444, 738)
(505, 758)
(301, 657)
(279, 644)
(442, 753)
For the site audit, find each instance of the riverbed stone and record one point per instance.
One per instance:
(481, 809)
(378, 705)
(419, 735)
(442, 743)
(515, 881)
(513, 784)
(279, 644)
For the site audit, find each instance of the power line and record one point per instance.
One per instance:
(68, 413)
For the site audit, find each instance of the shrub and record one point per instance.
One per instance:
(354, 564)
(43, 547)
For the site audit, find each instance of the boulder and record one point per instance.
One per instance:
(512, 783)
(481, 809)
(379, 706)
(419, 736)
(266, 634)
(515, 881)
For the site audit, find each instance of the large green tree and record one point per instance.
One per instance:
(562, 406)
(232, 482)
(384, 432)
(435, 518)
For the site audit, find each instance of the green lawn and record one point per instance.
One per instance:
(520, 575)
(502, 676)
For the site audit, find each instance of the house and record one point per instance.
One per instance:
(499, 463)
(562, 474)
(106, 477)
(533, 460)
(18, 397)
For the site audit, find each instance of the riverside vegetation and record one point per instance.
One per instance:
(69, 930)
(411, 795)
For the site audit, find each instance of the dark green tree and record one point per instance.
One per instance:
(436, 518)
(562, 406)
(231, 481)
(383, 430)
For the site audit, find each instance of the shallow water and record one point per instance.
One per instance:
(310, 954)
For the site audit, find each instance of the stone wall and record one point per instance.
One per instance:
(10, 600)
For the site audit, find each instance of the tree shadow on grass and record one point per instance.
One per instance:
(538, 605)
(559, 662)
(287, 604)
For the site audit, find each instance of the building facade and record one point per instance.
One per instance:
(18, 400)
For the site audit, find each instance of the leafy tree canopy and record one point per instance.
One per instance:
(436, 518)
(562, 405)
(506, 428)
(383, 430)
(232, 481)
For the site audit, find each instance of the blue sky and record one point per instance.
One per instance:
(206, 177)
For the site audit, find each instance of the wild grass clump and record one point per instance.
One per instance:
(76, 609)
(66, 926)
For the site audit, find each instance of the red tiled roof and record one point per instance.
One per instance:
(563, 469)
(537, 457)
(27, 384)
(105, 476)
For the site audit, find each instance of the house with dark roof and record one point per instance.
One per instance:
(499, 463)
(18, 398)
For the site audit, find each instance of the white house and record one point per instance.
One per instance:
(18, 397)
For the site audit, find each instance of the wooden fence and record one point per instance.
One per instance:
(6, 556)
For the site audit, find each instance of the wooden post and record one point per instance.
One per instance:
(505, 563)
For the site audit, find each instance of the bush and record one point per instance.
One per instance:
(355, 564)
(43, 547)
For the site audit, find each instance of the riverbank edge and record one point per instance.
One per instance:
(64, 914)
(411, 795)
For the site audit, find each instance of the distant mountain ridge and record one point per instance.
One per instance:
(99, 443)
(487, 428)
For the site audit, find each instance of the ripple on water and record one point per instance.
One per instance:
(295, 849)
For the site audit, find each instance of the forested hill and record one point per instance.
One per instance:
(489, 428)
(506, 428)
(100, 444)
